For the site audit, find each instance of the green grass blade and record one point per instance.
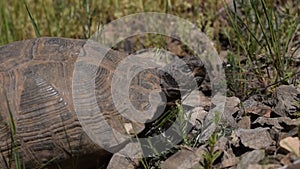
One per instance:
(259, 19)
(36, 30)
(14, 144)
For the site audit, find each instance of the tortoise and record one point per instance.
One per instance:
(38, 120)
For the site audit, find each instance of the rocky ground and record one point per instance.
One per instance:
(262, 134)
(261, 131)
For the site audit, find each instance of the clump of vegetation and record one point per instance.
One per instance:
(263, 37)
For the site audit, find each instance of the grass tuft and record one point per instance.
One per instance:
(265, 37)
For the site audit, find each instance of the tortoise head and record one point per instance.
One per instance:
(182, 76)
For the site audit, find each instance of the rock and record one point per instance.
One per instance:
(296, 165)
(197, 116)
(286, 99)
(268, 166)
(184, 159)
(249, 158)
(254, 107)
(197, 99)
(293, 166)
(120, 161)
(291, 144)
(285, 159)
(279, 122)
(235, 140)
(221, 144)
(128, 157)
(229, 159)
(244, 123)
(231, 106)
(233, 103)
(255, 138)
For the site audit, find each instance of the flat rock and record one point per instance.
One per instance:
(244, 123)
(249, 158)
(128, 157)
(184, 159)
(278, 122)
(197, 99)
(268, 166)
(229, 159)
(291, 144)
(255, 138)
(286, 98)
(251, 106)
(120, 161)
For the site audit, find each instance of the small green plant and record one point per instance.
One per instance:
(182, 127)
(211, 155)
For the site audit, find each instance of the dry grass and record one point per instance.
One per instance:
(80, 19)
